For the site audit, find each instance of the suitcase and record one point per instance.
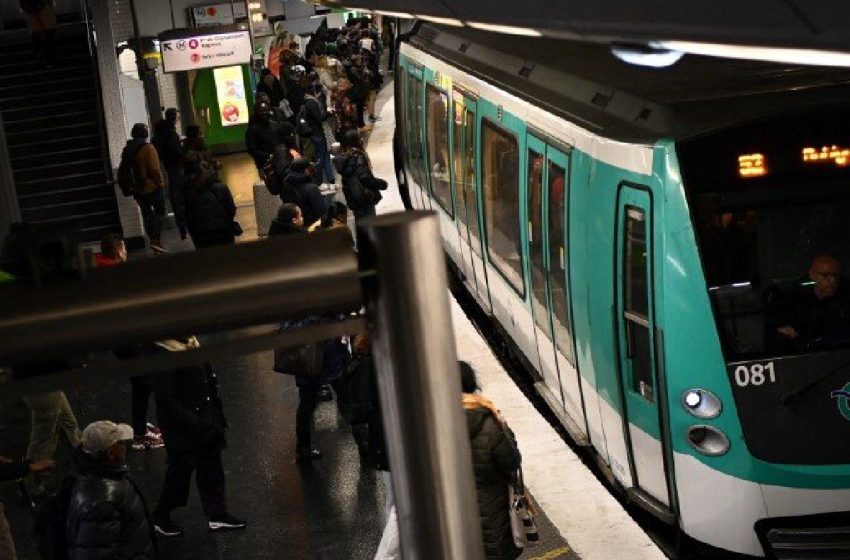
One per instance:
(265, 207)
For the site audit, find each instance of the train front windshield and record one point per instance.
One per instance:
(771, 203)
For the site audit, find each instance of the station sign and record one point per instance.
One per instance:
(218, 14)
(205, 50)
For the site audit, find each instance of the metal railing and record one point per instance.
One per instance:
(400, 279)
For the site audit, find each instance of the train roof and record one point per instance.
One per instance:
(584, 82)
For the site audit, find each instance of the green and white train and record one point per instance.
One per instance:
(633, 233)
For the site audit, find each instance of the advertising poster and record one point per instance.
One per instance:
(230, 90)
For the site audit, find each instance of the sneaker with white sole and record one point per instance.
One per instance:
(226, 522)
(166, 527)
(148, 441)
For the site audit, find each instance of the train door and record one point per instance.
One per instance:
(418, 140)
(465, 112)
(461, 204)
(537, 194)
(413, 138)
(635, 327)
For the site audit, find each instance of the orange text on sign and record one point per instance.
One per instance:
(840, 156)
(752, 165)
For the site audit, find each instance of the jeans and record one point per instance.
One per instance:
(209, 475)
(152, 205)
(308, 400)
(7, 545)
(140, 397)
(324, 168)
(51, 412)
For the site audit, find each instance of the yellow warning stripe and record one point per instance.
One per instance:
(552, 554)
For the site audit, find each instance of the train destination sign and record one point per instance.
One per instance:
(210, 50)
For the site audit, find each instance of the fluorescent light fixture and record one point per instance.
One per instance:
(451, 22)
(807, 57)
(507, 29)
(640, 55)
(403, 15)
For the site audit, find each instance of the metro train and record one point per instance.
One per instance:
(641, 237)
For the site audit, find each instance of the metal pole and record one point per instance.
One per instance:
(419, 386)
(148, 77)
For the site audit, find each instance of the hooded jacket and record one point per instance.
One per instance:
(354, 165)
(300, 188)
(107, 517)
(495, 458)
(209, 209)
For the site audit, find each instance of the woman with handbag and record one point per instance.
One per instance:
(495, 460)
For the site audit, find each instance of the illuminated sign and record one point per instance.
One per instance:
(230, 91)
(206, 51)
(752, 165)
(835, 154)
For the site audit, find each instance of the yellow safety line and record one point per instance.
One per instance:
(552, 554)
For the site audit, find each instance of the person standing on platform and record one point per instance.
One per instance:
(210, 210)
(262, 134)
(271, 86)
(51, 413)
(495, 460)
(190, 413)
(151, 199)
(107, 516)
(360, 187)
(166, 140)
(300, 188)
(311, 127)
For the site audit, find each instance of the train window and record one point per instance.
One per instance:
(500, 186)
(558, 258)
(438, 147)
(637, 302)
(470, 193)
(415, 106)
(459, 162)
(534, 194)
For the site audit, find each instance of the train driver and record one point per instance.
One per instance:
(818, 315)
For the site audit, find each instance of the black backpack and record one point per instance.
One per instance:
(130, 179)
(50, 522)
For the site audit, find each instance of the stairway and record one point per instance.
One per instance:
(54, 138)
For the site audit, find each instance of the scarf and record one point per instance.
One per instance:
(472, 401)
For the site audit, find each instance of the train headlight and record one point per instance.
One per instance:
(708, 440)
(701, 403)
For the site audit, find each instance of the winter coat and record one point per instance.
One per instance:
(300, 189)
(495, 458)
(359, 404)
(147, 161)
(166, 140)
(261, 137)
(354, 165)
(189, 409)
(107, 517)
(210, 209)
(334, 357)
(275, 92)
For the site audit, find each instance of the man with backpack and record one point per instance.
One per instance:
(106, 515)
(13, 470)
(140, 176)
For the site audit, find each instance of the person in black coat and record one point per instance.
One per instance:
(166, 140)
(360, 187)
(263, 132)
(107, 518)
(299, 187)
(191, 417)
(495, 460)
(271, 86)
(210, 210)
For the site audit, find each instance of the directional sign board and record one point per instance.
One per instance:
(205, 50)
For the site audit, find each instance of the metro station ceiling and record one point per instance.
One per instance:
(809, 24)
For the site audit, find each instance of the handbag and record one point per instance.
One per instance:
(523, 527)
(305, 361)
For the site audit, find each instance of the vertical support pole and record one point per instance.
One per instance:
(10, 211)
(419, 384)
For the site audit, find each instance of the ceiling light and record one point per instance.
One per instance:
(507, 29)
(451, 22)
(808, 57)
(403, 15)
(641, 55)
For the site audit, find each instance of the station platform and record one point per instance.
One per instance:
(331, 508)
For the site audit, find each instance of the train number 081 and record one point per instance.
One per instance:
(755, 374)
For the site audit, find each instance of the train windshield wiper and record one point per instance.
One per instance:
(795, 394)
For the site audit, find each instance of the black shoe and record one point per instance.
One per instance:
(325, 393)
(166, 527)
(308, 454)
(226, 522)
